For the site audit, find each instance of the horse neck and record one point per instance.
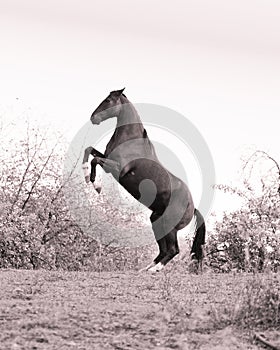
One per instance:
(128, 120)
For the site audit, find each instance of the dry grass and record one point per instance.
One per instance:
(126, 310)
(258, 303)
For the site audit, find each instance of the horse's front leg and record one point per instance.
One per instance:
(91, 151)
(94, 163)
(90, 169)
(109, 166)
(90, 173)
(86, 170)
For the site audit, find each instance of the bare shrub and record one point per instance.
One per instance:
(258, 304)
(37, 229)
(248, 239)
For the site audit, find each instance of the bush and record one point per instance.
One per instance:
(37, 229)
(258, 305)
(249, 238)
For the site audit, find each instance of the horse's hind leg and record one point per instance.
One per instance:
(162, 252)
(171, 250)
(197, 251)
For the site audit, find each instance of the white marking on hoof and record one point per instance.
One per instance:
(86, 171)
(157, 267)
(148, 267)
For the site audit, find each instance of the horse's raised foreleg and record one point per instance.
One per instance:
(94, 163)
(90, 170)
(91, 151)
(109, 166)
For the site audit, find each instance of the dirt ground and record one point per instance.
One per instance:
(124, 310)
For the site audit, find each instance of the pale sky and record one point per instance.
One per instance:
(216, 62)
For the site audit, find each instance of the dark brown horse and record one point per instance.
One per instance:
(131, 158)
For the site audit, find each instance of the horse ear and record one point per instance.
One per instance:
(117, 93)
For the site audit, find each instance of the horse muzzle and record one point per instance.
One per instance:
(95, 120)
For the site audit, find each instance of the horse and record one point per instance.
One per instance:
(131, 159)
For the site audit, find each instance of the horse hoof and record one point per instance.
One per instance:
(143, 270)
(158, 267)
(152, 264)
(97, 189)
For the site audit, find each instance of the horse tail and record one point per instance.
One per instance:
(199, 238)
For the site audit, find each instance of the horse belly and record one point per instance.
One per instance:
(150, 190)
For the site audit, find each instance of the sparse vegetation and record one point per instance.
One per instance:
(173, 309)
(37, 229)
(258, 303)
(248, 239)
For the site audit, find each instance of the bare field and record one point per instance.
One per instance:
(124, 310)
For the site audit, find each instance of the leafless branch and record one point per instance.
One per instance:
(260, 337)
(38, 178)
(265, 154)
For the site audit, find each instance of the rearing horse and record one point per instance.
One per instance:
(131, 158)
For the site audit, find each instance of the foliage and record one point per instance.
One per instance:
(37, 229)
(249, 238)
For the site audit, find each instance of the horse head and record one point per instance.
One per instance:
(109, 108)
